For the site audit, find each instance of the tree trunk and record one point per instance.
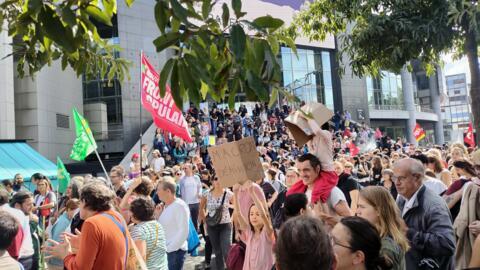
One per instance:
(471, 49)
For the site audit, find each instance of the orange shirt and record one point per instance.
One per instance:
(102, 245)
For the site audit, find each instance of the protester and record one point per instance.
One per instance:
(387, 182)
(27, 252)
(158, 162)
(329, 200)
(117, 177)
(62, 224)
(357, 245)
(435, 164)
(426, 215)
(148, 234)
(292, 251)
(453, 196)
(9, 227)
(347, 184)
(219, 230)
(378, 207)
(173, 214)
(18, 183)
(102, 243)
(256, 232)
(191, 192)
(140, 187)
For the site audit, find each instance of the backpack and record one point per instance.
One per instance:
(236, 256)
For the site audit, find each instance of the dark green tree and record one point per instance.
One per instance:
(388, 34)
(219, 57)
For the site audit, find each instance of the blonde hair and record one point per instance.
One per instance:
(435, 152)
(389, 214)
(461, 146)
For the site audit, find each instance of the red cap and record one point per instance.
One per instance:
(135, 155)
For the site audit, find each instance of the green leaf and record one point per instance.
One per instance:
(177, 91)
(110, 7)
(237, 8)
(274, 44)
(256, 84)
(160, 16)
(55, 30)
(225, 15)
(179, 11)
(175, 24)
(204, 89)
(291, 44)
(98, 15)
(268, 22)
(238, 41)
(213, 51)
(206, 9)
(188, 82)
(164, 74)
(232, 94)
(129, 2)
(273, 97)
(68, 16)
(166, 40)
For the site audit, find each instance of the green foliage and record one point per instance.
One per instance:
(45, 31)
(378, 34)
(219, 57)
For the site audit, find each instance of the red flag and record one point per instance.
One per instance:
(165, 113)
(469, 136)
(353, 149)
(419, 133)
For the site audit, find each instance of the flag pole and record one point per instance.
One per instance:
(96, 152)
(140, 109)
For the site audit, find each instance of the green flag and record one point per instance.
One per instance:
(63, 176)
(84, 143)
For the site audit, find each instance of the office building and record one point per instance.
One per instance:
(456, 108)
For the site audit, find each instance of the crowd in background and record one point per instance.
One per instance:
(367, 202)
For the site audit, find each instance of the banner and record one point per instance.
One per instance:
(236, 162)
(419, 133)
(63, 176)
(165, 113)
(469, 136)
(84, 143)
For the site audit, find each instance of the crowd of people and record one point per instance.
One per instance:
(336, 202)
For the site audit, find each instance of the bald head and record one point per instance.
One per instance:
(408, 175)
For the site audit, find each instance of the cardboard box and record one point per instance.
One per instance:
(297, 122)
(236, 162)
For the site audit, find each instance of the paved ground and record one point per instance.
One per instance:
(195, 263)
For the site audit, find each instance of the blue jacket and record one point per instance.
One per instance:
(430, 230)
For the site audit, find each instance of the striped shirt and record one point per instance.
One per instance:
(156, 252)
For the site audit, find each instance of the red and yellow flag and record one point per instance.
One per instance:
(419, 133)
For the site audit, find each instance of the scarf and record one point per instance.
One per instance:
(322, 186)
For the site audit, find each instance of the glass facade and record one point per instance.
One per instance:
(385, 93)
(456, 108)
(309, 75)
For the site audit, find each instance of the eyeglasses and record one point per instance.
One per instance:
(399, 178)
(335, 242)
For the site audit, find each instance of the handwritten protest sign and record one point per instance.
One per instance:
(236, 162)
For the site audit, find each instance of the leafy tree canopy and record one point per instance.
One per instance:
(213, 56)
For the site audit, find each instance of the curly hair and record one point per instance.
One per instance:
(97, 196)
(145, 188)
(142, 209)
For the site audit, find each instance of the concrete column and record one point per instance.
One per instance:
(436, 88)
(7, 101)
(408, 99)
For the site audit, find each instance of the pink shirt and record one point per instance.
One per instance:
(245, 200)
(321, 146)
(259, 251)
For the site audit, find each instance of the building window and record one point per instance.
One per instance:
(63, 121)
(308, 76)
(385, 93)
(423, 82)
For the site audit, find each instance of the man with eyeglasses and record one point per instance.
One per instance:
(427, 217)
(117, 174)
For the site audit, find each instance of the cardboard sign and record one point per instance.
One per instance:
(236, 162)
(298, 125)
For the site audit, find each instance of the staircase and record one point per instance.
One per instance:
(147, 138)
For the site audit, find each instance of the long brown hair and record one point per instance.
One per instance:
(437, 164)
(389, 214)
(377, 163)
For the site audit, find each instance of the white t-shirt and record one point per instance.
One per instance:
(336, 196)
(174, 220)
(158, 164)
(434, 184)
(26, 248)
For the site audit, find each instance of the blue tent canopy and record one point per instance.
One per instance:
(18, 157)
